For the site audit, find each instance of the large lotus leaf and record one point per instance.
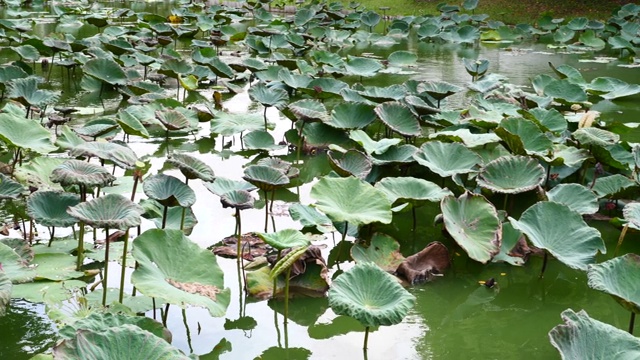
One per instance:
(619, 42)
(14, 266)
(49, 208)
(56, 266)
(131, 125)
(561, 231)
(410, 189)
(284, 239)
(76, 172)
(161, 255)
(402, 154)
(612, 185)
(371, 146)
(370, 295)
(402, 58)
(631, 213)
(447, 159)
(511, 174)
(595, 136)
(549, 120)
(352, 200)
(269, 96)
(361, 66)
(172, 119)
(619, 278)
(427, 264)
(106, 70)
(511, 250)
(5, 292)
(191, 167)
(111, 211)
(439, 89)
(582, 337)
(221, 185)
(265, 177)
(261, 140)
(238, 199)
(120, 155)
(228, 124)
(523, 136)
(350, 163)
(612, 88)
(16, 131)
(399, 118)
(103, 321)
(577, 197)
(381, 94)
(565, 92)
(469, 139)
(104, 127)
(308, 109)
(473, 223)
(169, 190)
(175, 67)
(590, 39)
(309, 216)
(25, 91)
(351, 115)
(383, 250)
(10, 189)
(125, 342)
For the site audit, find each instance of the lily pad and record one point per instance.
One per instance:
(351, 115)
(56, 266)
(169, 190)
(284, 239)
(103, 321)
(511, 174)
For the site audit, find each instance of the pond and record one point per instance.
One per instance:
(455, 316)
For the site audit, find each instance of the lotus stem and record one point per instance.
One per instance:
(186, 326)
(239, 236)
(184, 209)
(266, 211)
(505, 201)
(165, 315)
(80, 255)
(631, 322)
(124, 266)
(265, 118)
(106, 268)
(273, 195)
(53, 231)
(621, 239)
(286, 296)
(164, 216)
(544, 263)
(275, 281)
(366, 338)
(153, 303)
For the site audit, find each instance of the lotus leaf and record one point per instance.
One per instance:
(49, 208)
(5, 292)
(361, 66)
(105, 70)
(565, 92)
(582, 337)
(382, 250)
(161, 255)
(264, 177)
(191, 167)
(313, 282)
(402, 58)
(469, 139)
(473, 223)
(16, 131)
(239, 199)
(228, 124)
(350, 115)
(221, 185)
(577, 197)
(154, 211)
(172, 119)
(398, 118)
(609, 186)
(76, 172)
(25, 91)
(309, 216)
(103, 321)
(595, 136)
(169, 191)
(284, 239)
(110, 211)
(396, 154)
(120, 155)
(523, 137)
(350, 163)
(561, 231)
(261, 140)
(352, 200)
(618, 277)
(514, 249)
(371, 146)
(382, 94)
(10, 189)
(308, 109)
(590, 39)
(269, 96)
(551, 119)
(631, 213)
(14, 267)
(56, 267)
(511, 174)
(447, 159)
(429, 263)
(438, 89)
(410, 189)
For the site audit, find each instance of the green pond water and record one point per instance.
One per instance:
(454, 318)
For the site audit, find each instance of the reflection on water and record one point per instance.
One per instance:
(25, 331)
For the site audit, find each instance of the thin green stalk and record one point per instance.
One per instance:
(165, 315)
(184, 210)
(186, 326)
(366, 338)
(544, 263)
(164, 216)
(53, 232)
(631, 322)
(286, 296)
(106, 268)
(275, 281)
(266, 211)
(239, 236)
(124, 266)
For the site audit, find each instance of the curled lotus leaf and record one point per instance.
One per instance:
(161, 255)
(49, 208)
(399, 118)
(77, 172)
(619, 278)
(10, 189)
(191, 167)
(172, 119)
(382, 250)
(577, 197)
(265, 178)
(221, 185)
(350, 163)
(370, 295)
(169, 190)
(438, 89)
(511, 174)
(238, 199)
(429, 263)
(284, 239)
(447, 159)
(410, 189)
(308, 109)
(581, 337)
(276, 163)
(111, 211)
(120, 155)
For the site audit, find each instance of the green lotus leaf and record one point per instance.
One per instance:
(191, 167)
(228, 124)
(595, 136)
(110, 211)
(175, 67)
(98, 127)
(324, 88)
(169, 190)
(125, 342)
(402, 154)
(352, 200)
(561, 231)
(5, 292)
(618, 278)
(309, 216)
(284, 239)
(370, 18)
(104, 321)
(421, 106)
(221, 185)
(523, 137)
(76, 172)
(15, 268)
(10, 189)
(438, 89)
(611, 88)
(12, 72)
(238, 199)
(25, 91)
(609, 186)
(105, 70)
(590, 39)
(631, 213)
(56, 267)
(549, 119)
(370, 295)
(275, 353)
(120, 155)
(137, 304)
(161, 255)
(476, 68)
(577, 197)
(16, 131)
(308, 109)
(371, 146)
(582, 337)
(473, 223)
(563, 34)
(511, 174)
(313, 282)
(276, 163)
(172, 119)
(469, 139)
(398, 118)
(447, 159)
(510, 239)
(350, 163)
(261, 140)
(37, 172)
(383, 250)
(21, 247)
(268, 96)
(410, 189)
(264, 177)
(131, 124)
(303, 16)
(564, 91)
(67, 139)
(382, 94)
(620, 43)
(49, 208)
(402, 58)
(154, 211)
(361, 66)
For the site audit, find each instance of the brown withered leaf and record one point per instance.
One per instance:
(425, 265)
(252, 247)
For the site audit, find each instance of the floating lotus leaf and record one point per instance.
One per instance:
(383, 250)
(10, 189)
(16, 131)
(361, 66)
(161, 255)
(382, 94)
(410, 189)
(191, 167)
(473, 223)
(25, 91)
(447, 159)
(466, 137)
(308, 109)
(609, 186)
(424, 266)
(274, 353)
(398, 118)
(105, 70)
(103, 321)
(169, 190)
(352, 200)
(76, 172)
(577, 197)
(618, 277)
(221, 185)
(264, 177)
(120, 155)
(523, 136)
(125, 342)
(110, 211)
(612, 88)
(228, 124)
(269, 96)
(582, 337)
(5, 292)
(402, 58)
(595, 136)
(261, 140)
(371, 146)
(590, 39)
(49, 208)
(312, 282)
(511, 174)
(565, 92)
(56, 267)
(561, 231)
(284, 239)
(370, 295)
(14, 266)
(238, 199)
(350, 163)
